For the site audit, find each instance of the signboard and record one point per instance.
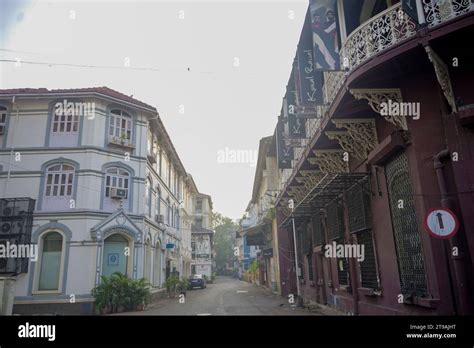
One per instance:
(169, 246)
(203, 256)
(441, 223)
(310, 81)
(268, 252)
(325, 34)
(409, 7)
(284, 152)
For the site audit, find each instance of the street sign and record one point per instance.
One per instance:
(169, 246)
(441, 223)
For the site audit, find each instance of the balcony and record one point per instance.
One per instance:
(394, 26)
(381, 32)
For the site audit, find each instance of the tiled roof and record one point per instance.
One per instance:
(101, 90)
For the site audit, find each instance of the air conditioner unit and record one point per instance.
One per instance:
(118, 193)
(11, 228)
(160, 218)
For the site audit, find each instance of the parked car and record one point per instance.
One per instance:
(197, 281)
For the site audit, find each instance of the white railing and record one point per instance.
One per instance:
(382, 31)
(393, 26)
(437, 12)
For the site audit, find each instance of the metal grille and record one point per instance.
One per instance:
(16, 224)
(368, 268)
(358, 203)
(405, 227)
(335, 218)
(342, 267)
(317, 230)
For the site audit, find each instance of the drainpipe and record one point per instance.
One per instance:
(457, 261)
(12, 144)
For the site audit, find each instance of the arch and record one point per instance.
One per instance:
(115, 257)
(76, 119)
(133, 117)
(44, 174)
(36, 238)
(106, 202)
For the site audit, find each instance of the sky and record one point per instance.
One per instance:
(215, 70)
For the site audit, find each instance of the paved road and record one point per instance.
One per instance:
(226, 296)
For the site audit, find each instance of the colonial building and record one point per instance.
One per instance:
(202, 236)
(260, 227)
(111, 193)
(390, 141)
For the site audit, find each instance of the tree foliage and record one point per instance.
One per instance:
(224, 241)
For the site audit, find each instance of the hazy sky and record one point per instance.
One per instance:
(239, 55)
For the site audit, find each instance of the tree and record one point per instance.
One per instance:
(224, 240)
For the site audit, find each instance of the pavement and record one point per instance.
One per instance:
(226, 296)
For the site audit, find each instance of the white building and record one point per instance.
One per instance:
(202, 236)
(111, 192)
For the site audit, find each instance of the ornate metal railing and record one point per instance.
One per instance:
(382, 31)
(393, 26)
(437, 12)
(333, 80)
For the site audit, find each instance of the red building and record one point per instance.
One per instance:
(392, 141)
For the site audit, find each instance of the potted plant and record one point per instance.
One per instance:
(123, 138)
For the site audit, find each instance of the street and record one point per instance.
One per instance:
(226, 296)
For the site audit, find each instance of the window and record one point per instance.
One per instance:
(120, 126)
(3, 119)
(148, 195)
(65, 122)
(335, 220)
(116, 178)
(59, 187)
(158, 201)
(405, 227)
(59, 180)
(51, 261)
(168, 212)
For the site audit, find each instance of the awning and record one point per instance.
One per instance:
(256, 234)
(330, 187)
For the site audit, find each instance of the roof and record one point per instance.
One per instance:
(105, 91)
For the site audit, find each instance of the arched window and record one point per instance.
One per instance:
(158, 201)
(148, 195)
(65, 123)
(117, 188)
(114, 258)
(59, 187)
(51, 262)
(120, 127)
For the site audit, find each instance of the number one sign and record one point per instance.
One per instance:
(441, 223)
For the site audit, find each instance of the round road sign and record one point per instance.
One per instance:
(441, 223)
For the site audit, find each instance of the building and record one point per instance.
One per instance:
(111, 193)
(261, 226)
(202, 236)
(390, 141)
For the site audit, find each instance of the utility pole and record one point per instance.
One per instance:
(291, 205)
